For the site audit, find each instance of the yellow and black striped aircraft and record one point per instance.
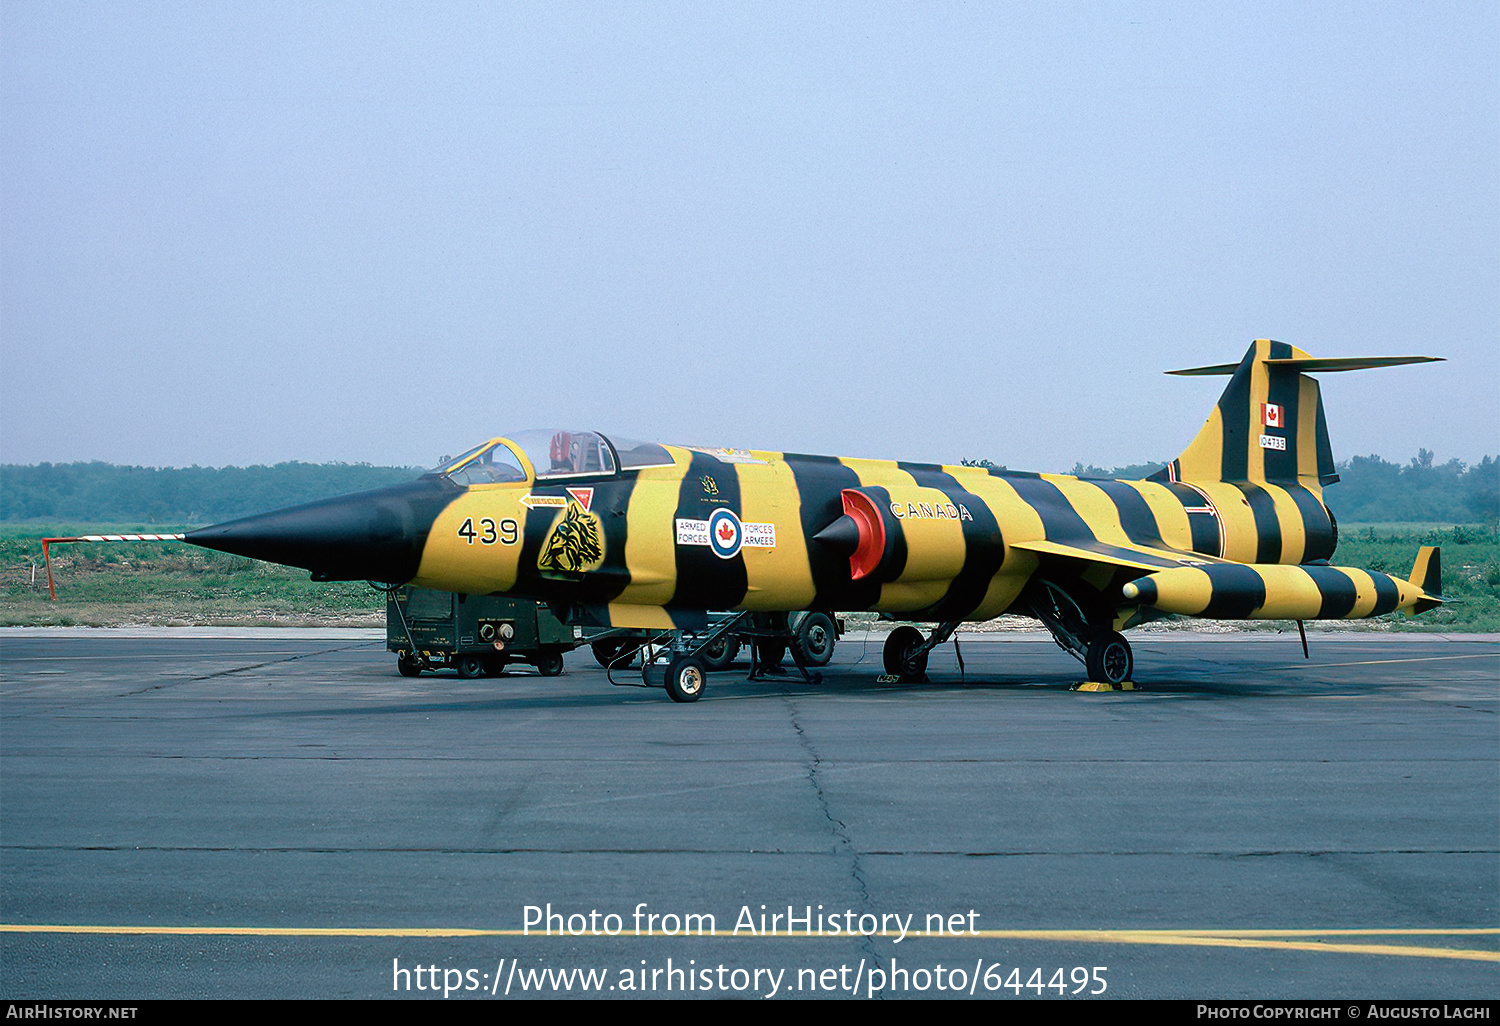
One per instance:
(641, 535)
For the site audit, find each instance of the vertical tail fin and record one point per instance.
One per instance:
(1269, 423)
(1427, 571)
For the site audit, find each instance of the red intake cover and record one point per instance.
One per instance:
(859, 508)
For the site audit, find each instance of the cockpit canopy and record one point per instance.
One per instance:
(550, 455)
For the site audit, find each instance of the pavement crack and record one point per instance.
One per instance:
(845, 844)
(238, 669)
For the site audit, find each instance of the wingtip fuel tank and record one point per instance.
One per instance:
(1257, 591)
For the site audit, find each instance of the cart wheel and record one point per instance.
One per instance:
(900, 655)
(549, 663)
(494, 665)
(407, 665)
(816, 635)
(469, 666)
(686, 678)
(720, 655)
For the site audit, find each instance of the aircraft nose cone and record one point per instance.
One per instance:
(368, 536)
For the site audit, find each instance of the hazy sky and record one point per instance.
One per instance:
(252, 232)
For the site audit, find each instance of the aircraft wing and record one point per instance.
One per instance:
(1135, 557)
(1193, 584)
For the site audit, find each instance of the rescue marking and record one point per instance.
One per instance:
(1212, 510)
(543, 501)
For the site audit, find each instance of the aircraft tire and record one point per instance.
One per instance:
(1109, 659)
(900, 660)
(469, 667)
(686, 678)
(549, 663)
(407, 666)
(815, 638)
(720, 655)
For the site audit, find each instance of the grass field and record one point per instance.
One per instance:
(114, 584)
(172, 584)
(1471, 568)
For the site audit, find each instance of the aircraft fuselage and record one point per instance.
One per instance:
(736, 530)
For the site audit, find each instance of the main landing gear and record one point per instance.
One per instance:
(905, 653)
(1088, 635)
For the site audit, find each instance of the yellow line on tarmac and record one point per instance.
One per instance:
(1263, 939)
(261, 931)
(1473, 931)
(1419, 659)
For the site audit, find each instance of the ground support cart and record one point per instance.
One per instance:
(477, 635)
(680, 660)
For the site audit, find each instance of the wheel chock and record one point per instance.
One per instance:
(1093, 685)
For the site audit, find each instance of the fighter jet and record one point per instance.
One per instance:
(621, 533)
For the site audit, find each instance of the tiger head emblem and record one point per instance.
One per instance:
(575, 543)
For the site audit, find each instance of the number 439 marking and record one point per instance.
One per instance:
(508, 532)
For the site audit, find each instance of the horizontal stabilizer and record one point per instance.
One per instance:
(1310, 364)
(1269, 425)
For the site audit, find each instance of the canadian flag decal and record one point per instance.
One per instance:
(1270, 415)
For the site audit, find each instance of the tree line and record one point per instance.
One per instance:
(106, 493)
(1370, 489)
(1374, 490)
